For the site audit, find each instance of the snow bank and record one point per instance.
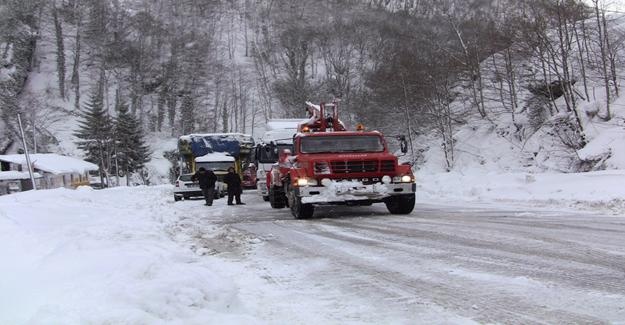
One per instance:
(80, 257)
(601, 190)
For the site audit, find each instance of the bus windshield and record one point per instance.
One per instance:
(346, 143)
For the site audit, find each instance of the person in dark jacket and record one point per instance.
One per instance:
(233, 181)
(207, 180)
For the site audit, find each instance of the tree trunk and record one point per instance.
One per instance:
(611, 54)
(604, 59)
(60, 51)
(76, 68)
(582, 64)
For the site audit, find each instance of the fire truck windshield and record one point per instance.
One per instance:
(346, 143)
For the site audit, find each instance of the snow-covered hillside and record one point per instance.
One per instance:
(508, 140)
(245, 58)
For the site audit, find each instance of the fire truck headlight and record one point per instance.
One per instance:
(406, 179)
(306, 182)
(386, 179)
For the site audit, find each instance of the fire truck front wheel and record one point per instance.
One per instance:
(301, 210)
(400, 204)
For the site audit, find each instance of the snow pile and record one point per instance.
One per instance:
(602, 190)
(80, 257)
(606, 145)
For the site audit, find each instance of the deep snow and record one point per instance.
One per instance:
(80, 256)
(133, 255)
(600, 190)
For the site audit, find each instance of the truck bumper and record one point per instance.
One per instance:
(338, 192)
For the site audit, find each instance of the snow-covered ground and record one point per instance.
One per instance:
(600, 190)
(107, 257)
(134, 256)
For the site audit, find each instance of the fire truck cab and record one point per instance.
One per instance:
(329, 165)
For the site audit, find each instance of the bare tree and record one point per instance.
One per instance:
(60, 50)
(604, 58)
(76, 66)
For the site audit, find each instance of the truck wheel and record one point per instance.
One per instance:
(277, 199)
(266, 198)
(298, 209)
(400, 204)
(301, 210)
(176, 198)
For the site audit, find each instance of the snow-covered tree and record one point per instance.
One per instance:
(131, 150)
(95, 133)
(187, 118)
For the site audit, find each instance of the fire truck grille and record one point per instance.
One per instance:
(354, 166)
(387, 166)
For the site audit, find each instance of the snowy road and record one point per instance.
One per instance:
(480, 264)
(151, 260)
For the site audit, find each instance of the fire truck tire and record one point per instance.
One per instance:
(266, 198)
(400, 204)
(277, 199)
(301, 210)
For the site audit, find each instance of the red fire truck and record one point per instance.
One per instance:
(330, 165)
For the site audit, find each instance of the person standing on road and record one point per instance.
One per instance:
(207, 180)
(233, 181)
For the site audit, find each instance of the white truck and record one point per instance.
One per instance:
(219, 163)
(277, 137)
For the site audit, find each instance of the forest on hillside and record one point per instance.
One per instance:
(186, 66)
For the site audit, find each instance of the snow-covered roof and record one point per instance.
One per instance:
(279, 136)
(52, 163)
(239, 136)
(12, 175)
(281, 124)
(214, 157)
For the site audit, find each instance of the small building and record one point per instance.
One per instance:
(55, 170)
(14, 181)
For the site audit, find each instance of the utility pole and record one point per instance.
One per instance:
(30, 167)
